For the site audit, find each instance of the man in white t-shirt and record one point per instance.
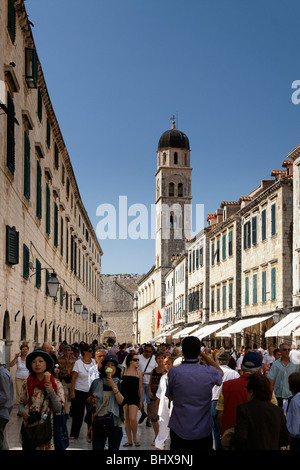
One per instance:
(147, 363)
(295, 354)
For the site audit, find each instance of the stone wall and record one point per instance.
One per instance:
(117, 306)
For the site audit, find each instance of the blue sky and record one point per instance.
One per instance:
(117, 70)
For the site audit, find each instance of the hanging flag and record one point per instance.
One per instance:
(158, 319)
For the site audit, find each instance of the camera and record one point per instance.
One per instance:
(34, 417)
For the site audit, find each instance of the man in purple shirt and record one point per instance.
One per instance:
(190, 387)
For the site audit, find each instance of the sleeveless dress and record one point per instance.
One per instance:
(156, 376)
(130, 390)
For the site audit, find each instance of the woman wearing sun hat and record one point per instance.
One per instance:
(41, 394)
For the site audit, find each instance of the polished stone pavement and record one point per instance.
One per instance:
(145, 436)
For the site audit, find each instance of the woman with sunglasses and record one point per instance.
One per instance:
(132, 389)
(80, 389)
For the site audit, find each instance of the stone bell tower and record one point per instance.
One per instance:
(173, 196)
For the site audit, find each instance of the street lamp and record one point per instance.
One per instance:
(106, 325)
(77, 305)
(53, 285)
(100, 321)
(85, 313)
(275, 317)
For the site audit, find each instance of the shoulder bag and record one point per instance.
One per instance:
(37, 434)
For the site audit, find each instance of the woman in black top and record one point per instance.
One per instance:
(132, 389)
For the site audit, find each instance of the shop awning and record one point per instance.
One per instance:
(171, 332)
(285, 326)
(208, 330)
(241, 325)
(186, 331)
(163, 334)
(157, 337)
(296, 332)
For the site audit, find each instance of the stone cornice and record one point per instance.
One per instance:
(265, 194)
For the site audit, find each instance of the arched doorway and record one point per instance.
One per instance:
(109, 336)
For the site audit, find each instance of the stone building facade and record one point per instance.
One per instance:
(44, 226)
(119, 295)
(227, 274)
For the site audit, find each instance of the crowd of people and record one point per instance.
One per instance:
(192, 396)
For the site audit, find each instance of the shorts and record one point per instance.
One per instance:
(145, 393)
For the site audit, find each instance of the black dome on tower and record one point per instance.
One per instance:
(174, 138)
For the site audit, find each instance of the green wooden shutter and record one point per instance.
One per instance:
(247, 291)
(230, 243)
(48, 134)
(201, 256)
(273, 283)
(48, 210)
(218, 251)
(264, 286)
(273, 219)
(224, 298)
(12, 246)
(47, 279)
(61, 295)
(38, 273)
(55, 232)
(230, 296)
(38, 190)
(223, 247)
(79, 263)
(25, 262)
(40, 104)
(75, 258)
(67, 246)
(26, 166)
(247, 235)
(61, 236)
(255, 288)
(72, 253)
(56, 156)
(263, 225)
(11, 20)
(212, 301)
(254, 230)
(10, 144)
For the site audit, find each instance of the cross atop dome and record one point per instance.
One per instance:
(172, 118)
